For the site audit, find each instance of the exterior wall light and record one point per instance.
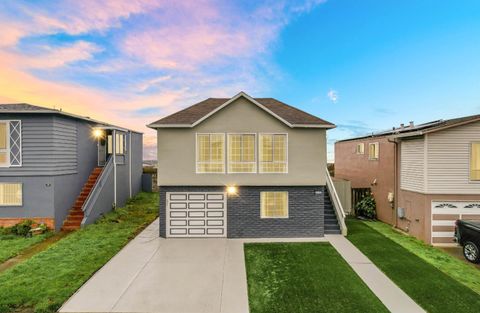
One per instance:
(232, 190)
(98, 133)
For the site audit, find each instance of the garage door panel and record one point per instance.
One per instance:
(178, 196)
(215, 231)
(215, 223)
(215, 205)
(196, 205)
(178, 214)
(196, 223)
(178, 222)
(178, 231)
(200, 196)
(196, 214)
(178, 205)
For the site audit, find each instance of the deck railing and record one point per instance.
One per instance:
(337, 205)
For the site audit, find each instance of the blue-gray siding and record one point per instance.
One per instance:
(306, 211)
(59, 153)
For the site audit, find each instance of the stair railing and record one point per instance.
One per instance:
(95, 192)
(337, 205)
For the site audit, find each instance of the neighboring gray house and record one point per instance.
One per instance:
(245, 167)
(59, 169)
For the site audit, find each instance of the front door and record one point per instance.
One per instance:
(102, 151)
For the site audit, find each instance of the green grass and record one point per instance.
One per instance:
(431, 288)
(46, 280)
(460, 270)
(304, 278)
(11, 245)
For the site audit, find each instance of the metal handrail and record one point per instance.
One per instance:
(337, 205)
(92, 197)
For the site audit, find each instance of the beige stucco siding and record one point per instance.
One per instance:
(448, 160)
(412, 167)
(306, 150)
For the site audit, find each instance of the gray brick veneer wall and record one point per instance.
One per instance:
(305, 210)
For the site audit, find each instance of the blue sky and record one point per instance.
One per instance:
(363, 65)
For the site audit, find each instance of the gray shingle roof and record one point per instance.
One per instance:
(23, 107)
(194, 113)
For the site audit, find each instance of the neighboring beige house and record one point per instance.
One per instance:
(431, 169)
(243, 167)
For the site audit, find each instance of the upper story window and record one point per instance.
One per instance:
(373, 151)
(120, 142)
(210, 154)
(10, 143)
(241, 153)
(360, 149)
(273, 153)
(11, 194)
(475, 161)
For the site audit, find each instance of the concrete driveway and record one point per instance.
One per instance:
(152, 274)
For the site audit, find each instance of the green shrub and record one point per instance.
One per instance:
(22, 229)
(367, 207)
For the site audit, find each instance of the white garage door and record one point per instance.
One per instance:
(196, 214)
(444, 215)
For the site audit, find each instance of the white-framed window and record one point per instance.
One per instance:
(242, 156)
(10, 143)
(373, 151)
(274, 204)
(475, 161)
(210, 153)
(360, 148)
(11, 194)
(120, 142)
(273, 153)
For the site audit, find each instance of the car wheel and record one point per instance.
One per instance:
(471, 252)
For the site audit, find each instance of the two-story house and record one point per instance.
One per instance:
(62, 169)
(430, 170)
(243, 167)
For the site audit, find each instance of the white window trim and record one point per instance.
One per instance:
(256, 163)
(470, 180)
(377, 150)
(275, 217)
(363, 148)
(260, 152)
(196, 153)
(21, 187)
(8, 149)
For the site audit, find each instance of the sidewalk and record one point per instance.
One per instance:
(391, 296)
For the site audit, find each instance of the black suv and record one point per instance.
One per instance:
(467, 234)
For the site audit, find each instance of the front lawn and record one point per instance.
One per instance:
(11, 245)
(46, 280)
(304, 278)
(462, 271)
(431, 288)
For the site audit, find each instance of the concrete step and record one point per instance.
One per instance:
(332, 232)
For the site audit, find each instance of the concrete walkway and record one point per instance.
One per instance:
(391, 296)
(152, 274)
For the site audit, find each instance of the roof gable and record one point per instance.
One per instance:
(197, 113)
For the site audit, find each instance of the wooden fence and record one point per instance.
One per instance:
(357, 195)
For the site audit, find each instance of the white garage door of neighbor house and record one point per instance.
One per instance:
(444, 215)
(196, 214)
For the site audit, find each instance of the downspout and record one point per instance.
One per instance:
(114, 150)
(395, 174)
(130, 162)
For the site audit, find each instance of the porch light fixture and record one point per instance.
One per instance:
(232, 190)
(98, 133)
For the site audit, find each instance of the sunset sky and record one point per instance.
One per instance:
(363, 65)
